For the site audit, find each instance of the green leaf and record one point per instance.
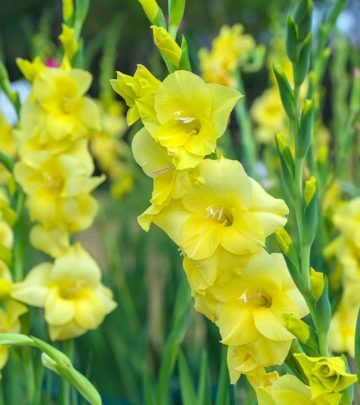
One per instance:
(303, 18)
(186, 382)
(222, 395)
(291, 40)
(184, 60)
(176, 13)
(204, 384)
(301, 68)
(180, 320)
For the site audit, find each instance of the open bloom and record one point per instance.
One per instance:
(70, 291)
(227, 209)
(57, 113)
(252, 314)
(156, 163)
(58, 187)
(189, 116)
(288, 389)
(207, 277)
(325, 374)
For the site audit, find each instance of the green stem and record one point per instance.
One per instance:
(19, 240)
(6, 161)
(28, 365)
(65, 392)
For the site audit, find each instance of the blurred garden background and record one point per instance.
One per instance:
(125, 356)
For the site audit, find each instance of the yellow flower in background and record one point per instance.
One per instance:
(255, 306)
(134, 89)
(7, 145)
(111, 152)
(10, 312)
(227, 209)
(347, 220)
(325, 374)
(228, 50)
(269, 116)
(30, 70)
(70, 291)
(343, 323)
(58, 187)
(288, 389)
(190, 116)
(167, 46)
(53, 241)
(57, 113)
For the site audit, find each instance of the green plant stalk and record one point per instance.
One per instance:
(304, 248)
(65, 389)
(248, 143)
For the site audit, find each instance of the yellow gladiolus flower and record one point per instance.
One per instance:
(30, 70)
(343, 325)
(255, 306)
(56, 114)
(10, 312)
(325, 374)
(240, 361)
(228, 50)
(210, 277)
(70, 291)
(167, 46)
(53, 241)
(190, 116)
(134, 89)
(269, 115)
(288, 389)
(227, 209)
(158, 164)
(346, 219)
(58, 187)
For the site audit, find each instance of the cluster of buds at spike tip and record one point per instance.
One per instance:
(298, 39)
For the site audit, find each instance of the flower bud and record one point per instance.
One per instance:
(298, 328)
(167, 46)
(316, 283)
(310, 190)
(151, 8)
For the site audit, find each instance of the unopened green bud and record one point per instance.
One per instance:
(316, 283)
(286, 93)
(310, 190)
(284, 240)
(298, 328)
(153, 12)
(303, 140)
(303, 18)
(303, 64)
(291, 40)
